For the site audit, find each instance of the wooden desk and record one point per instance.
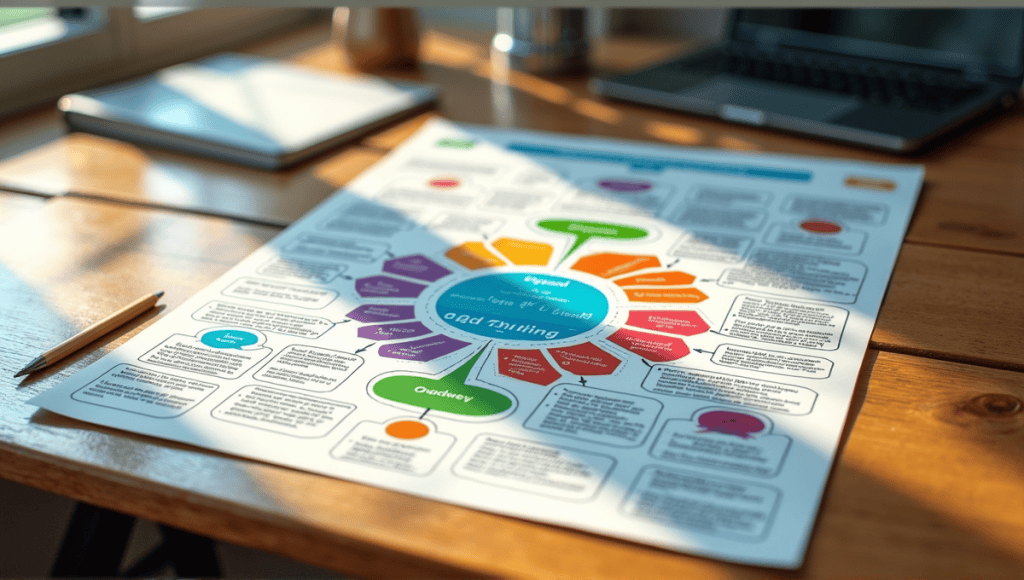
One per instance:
(929, 481)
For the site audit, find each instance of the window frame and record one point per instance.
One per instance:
(115, 45)
(66, 61)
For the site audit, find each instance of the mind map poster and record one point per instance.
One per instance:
(653, 343)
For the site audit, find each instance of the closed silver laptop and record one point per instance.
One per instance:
(892, 79)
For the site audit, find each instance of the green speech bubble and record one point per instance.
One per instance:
(450, 393)
(584, 230)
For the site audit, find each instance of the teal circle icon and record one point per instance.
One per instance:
(523, 306)
(229, 339)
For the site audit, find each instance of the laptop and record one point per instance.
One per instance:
(244, 109)
(890, 79)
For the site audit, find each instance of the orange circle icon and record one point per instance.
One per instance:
(407, 430)
(821, 227)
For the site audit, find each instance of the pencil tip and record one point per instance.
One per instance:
(159, 294)
(33, 366)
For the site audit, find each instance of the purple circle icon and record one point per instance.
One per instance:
(625, 185)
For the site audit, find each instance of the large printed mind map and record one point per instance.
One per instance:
(652, 343)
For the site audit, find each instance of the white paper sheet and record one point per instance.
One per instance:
(658, 344)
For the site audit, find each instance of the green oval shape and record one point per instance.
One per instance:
(593, 229)
(440, 395)
(584, 230)
(450, 393)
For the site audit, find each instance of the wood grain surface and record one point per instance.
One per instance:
(929, 482)
(84, 165)
(14, 206)
(71, 261)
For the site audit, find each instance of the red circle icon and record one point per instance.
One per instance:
(821, 227)
(444, 183)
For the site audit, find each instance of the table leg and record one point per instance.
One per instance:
(93, 544)
(96, 539)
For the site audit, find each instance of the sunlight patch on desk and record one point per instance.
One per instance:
(343, 167)
(177, 186)
(731, 142)
(44, 170)
(446, 50)
(674, 132)
(597, 111)
(536, 86)
(936, 441)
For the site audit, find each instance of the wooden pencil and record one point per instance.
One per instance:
(90, 334)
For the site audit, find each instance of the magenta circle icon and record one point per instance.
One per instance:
(730, 423)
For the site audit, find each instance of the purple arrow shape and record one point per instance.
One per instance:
(382, 313)
(393, 331)
(418, 266)
(425, 349)
(387, 287)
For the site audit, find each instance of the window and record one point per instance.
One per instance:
(47, 52)
(26, 27)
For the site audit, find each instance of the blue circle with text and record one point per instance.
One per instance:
(523, 306)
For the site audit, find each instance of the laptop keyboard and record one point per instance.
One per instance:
(876, 84)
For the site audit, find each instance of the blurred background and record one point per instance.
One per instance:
(48, 52)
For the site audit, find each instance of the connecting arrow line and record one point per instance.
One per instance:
(365, 347)
(389, 254)
(703, 351)
(583, 381)
(425, 413)
(480, 368)
(707, 279)
(673, 263)
(343, 277)
(647, 363)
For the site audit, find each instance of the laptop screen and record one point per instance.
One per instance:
(985, 40)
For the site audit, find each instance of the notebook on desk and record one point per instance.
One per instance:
(243, 109)
(888, 79)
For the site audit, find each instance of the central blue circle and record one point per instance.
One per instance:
(521, 306)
